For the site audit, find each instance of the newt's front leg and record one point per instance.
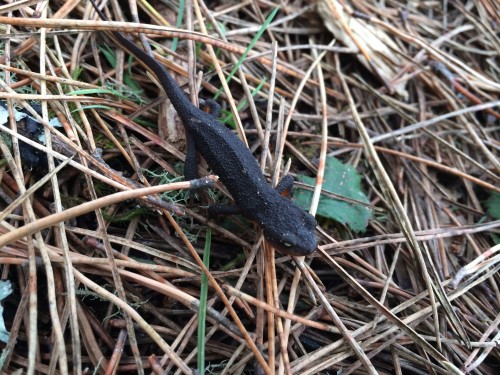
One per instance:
(285, 186)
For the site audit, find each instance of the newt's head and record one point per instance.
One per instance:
(292, 230)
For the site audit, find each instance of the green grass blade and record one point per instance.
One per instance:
(202, 314)
(263, 28)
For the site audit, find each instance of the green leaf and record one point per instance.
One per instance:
(493, 205)
(343, 180)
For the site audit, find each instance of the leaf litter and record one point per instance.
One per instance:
(403, 93)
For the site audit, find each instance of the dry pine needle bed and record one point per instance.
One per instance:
(386, 113)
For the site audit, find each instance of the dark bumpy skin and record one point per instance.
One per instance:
(286, 226)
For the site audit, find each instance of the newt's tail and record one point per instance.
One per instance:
(178, 98)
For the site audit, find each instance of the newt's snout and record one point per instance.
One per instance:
(296, 236)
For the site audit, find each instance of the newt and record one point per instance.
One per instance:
(286, 226)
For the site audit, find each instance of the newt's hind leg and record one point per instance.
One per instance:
(285, 186)
(211, 106)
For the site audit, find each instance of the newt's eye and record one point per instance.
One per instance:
(288, 240)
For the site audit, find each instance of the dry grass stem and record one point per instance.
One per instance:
(101, 239)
